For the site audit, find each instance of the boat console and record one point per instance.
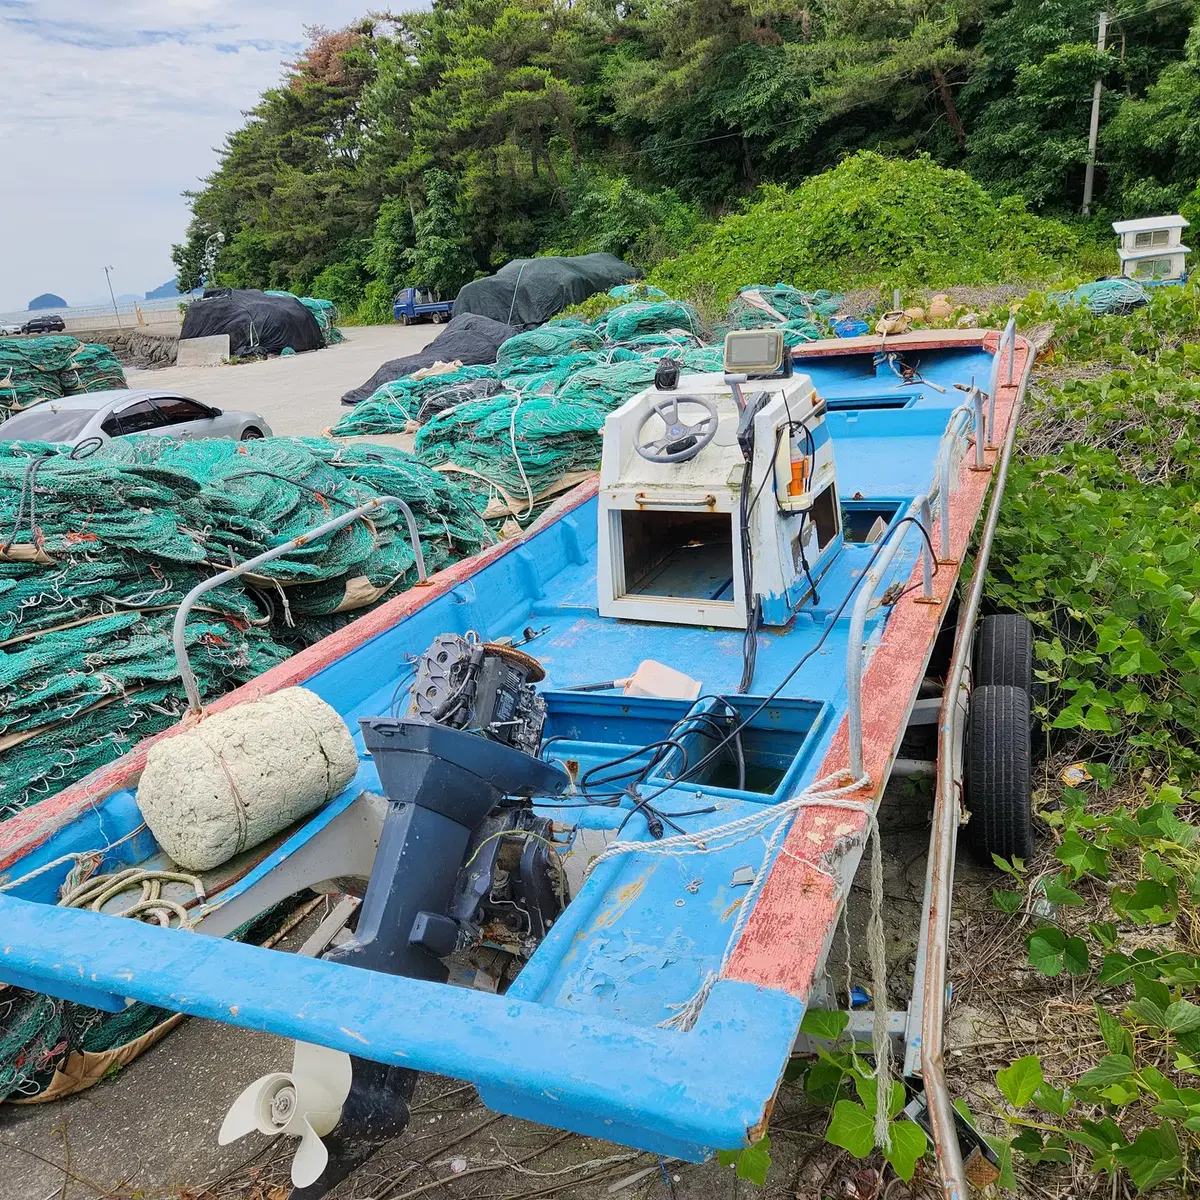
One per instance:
(718, 494)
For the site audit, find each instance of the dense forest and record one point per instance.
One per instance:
(432, 146)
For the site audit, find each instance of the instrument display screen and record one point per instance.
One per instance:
(753, 351)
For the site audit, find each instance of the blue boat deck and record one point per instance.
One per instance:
(645, 931)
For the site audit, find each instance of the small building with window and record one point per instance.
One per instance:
(1152, 247)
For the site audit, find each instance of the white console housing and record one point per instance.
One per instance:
(671, 546)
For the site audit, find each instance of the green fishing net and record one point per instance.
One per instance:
(33, 369)
(560, 337)
(753, 307)
(86, 662)
(651, 316)
(521, 443)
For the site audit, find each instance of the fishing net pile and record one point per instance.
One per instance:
(803, 316)
(325, 312)
(515, 429)
(1119, 296)
(97, 552)
(33, 369)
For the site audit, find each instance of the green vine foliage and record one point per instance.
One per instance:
(1098, 547)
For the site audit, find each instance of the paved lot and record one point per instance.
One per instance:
(299, 395)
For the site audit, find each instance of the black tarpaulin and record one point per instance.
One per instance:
(257, 324)
(528, 291)
(470, 339)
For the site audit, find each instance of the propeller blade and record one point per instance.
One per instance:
(321, 1077)
(245, 1114)
(311, 1157)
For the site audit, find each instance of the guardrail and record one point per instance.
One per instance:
(303, 539)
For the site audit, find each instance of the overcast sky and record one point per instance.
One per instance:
(111, 109)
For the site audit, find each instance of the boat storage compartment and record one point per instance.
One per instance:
(680, 555)
(861, 518)
(775, 745)
(594, 727)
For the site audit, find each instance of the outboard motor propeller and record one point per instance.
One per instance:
(450, 801)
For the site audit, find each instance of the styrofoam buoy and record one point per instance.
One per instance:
(241, 775)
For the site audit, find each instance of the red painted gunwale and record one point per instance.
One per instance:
(787, 934)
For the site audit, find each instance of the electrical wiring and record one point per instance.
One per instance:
(830, 625)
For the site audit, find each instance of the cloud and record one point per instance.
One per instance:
(114, 108)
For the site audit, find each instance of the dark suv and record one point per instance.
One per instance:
(50, 323)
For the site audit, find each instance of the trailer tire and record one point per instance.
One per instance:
(1004, 652)
(998, 791)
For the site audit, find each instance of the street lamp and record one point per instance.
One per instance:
(116, 310)
(209, 257)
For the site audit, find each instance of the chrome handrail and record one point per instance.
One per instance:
(942, 467)
(190, 686)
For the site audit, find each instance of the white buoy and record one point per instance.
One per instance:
(242, 775)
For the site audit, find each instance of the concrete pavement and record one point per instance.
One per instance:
(299, 395)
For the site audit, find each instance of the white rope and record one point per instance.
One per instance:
(820, 794)
(512, 436)
(80, 859)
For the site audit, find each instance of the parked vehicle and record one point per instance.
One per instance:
(50, 323)
(10, 330)
(119, 413)
(416, 303)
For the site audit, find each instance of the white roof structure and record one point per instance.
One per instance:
(1147, 224)
(1156, 252)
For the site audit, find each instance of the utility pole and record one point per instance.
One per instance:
(116, 310)
(1094, 131)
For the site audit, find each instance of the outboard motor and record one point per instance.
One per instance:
(462, 859)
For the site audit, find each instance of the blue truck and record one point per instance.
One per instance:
(414, 304)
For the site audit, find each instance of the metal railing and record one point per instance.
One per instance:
(944, 836)
(332, 526)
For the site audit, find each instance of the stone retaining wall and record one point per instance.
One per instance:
(136, 347)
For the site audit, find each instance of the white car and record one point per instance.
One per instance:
(118, 413)
(10, 330)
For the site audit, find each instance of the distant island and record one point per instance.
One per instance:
(46, 300)
(127, 298)
(166, 290)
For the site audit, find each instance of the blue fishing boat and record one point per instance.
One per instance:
(609, 781)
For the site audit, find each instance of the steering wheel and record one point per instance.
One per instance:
(680, 442)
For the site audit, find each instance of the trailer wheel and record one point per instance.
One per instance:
(1004, 652)
(998, 793)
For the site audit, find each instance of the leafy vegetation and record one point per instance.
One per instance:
(518, 127)
(873, 219)
(1097, 545)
